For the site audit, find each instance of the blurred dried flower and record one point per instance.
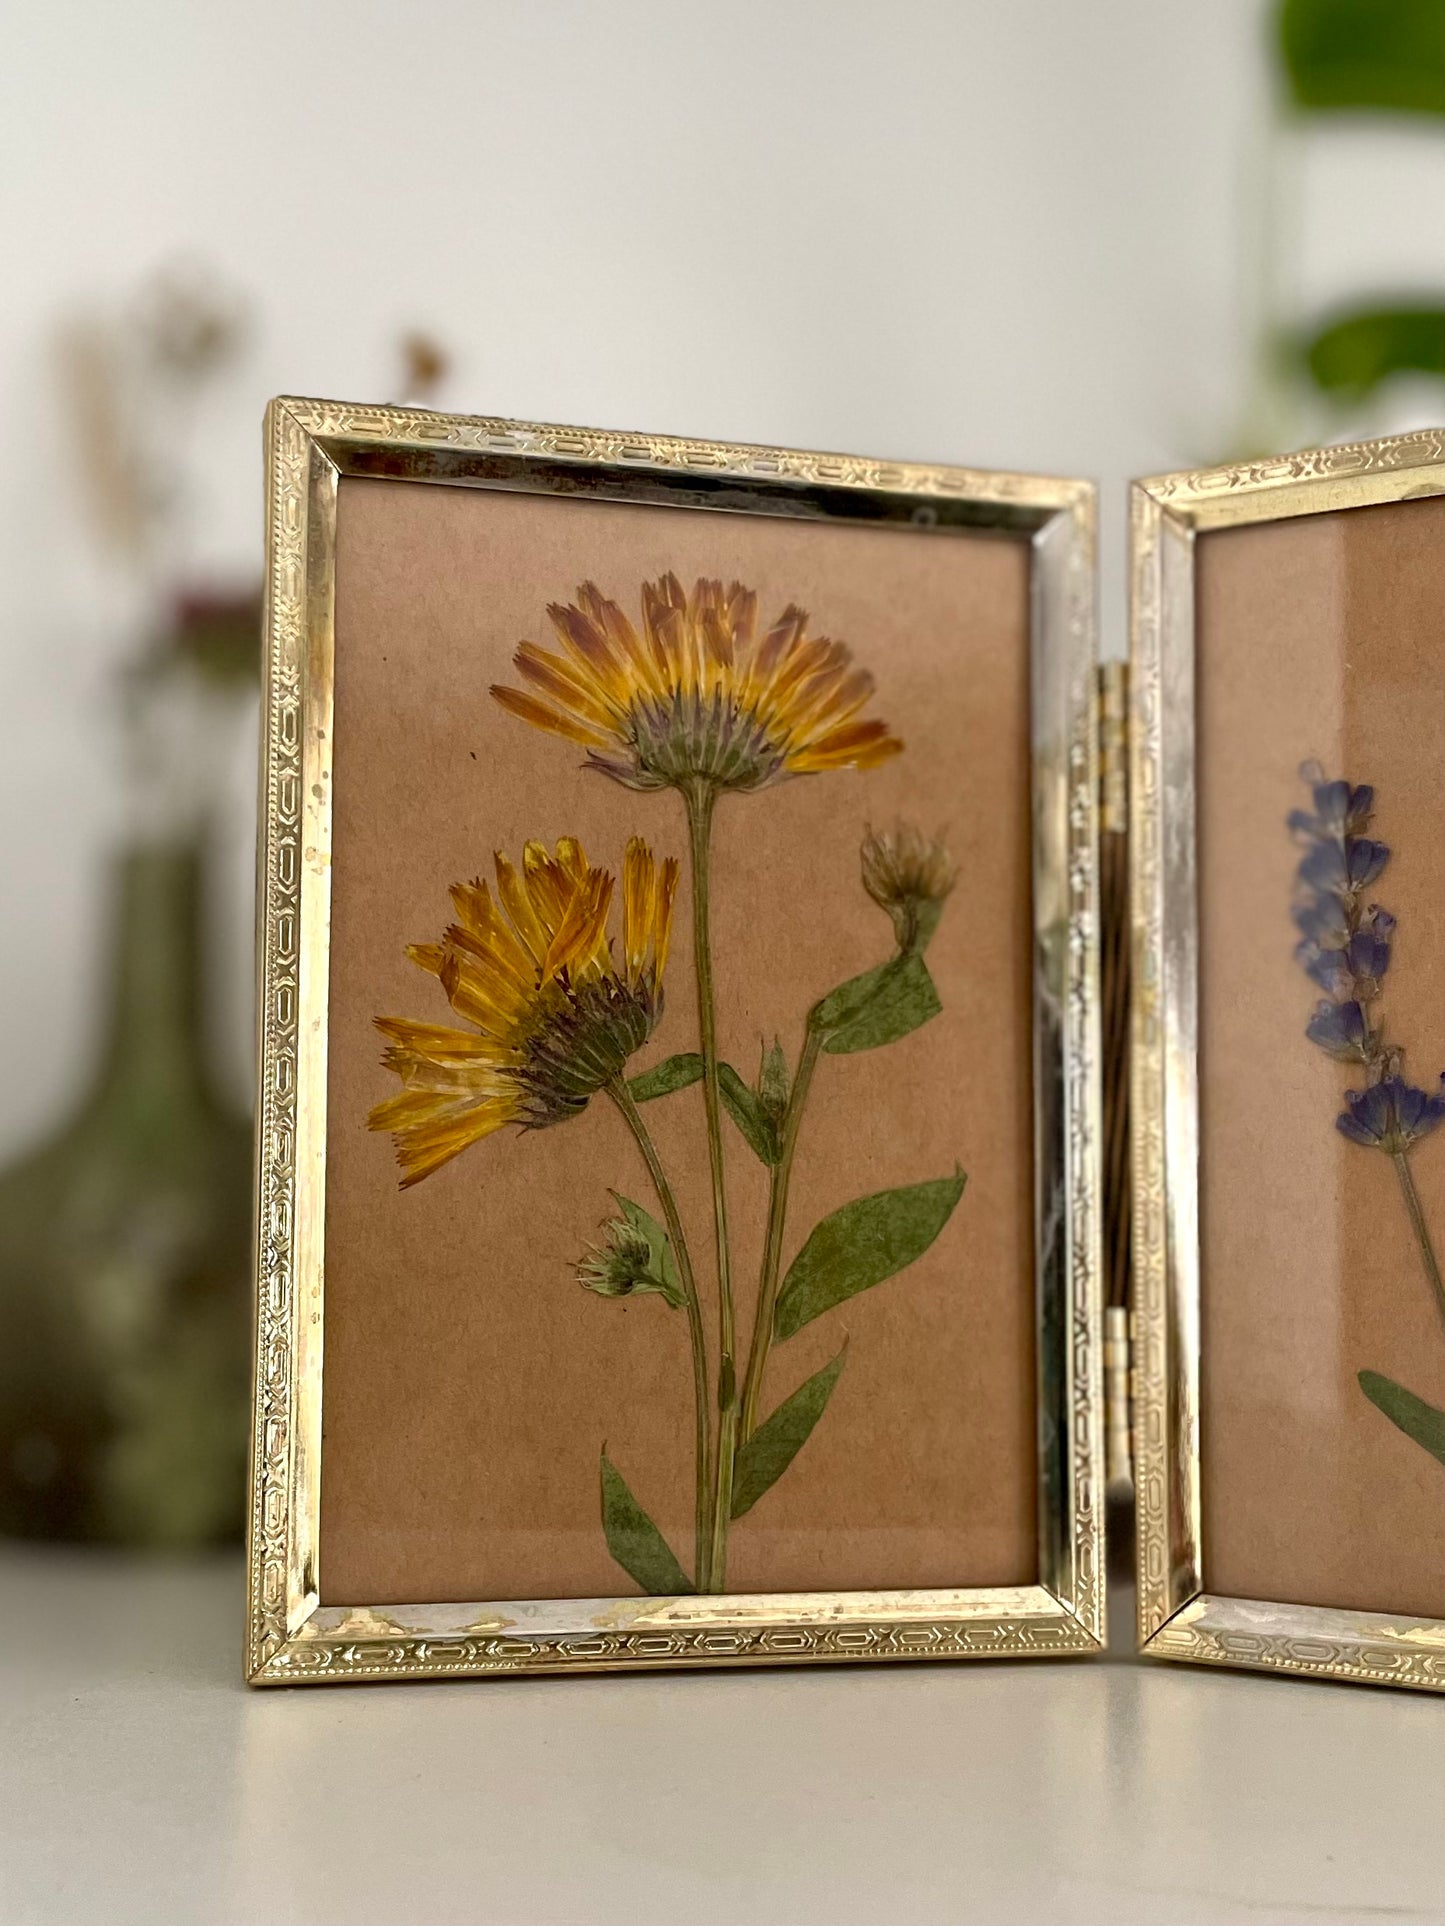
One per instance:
(219, 631)
(126, 374)
(424, 366)
(190, 322)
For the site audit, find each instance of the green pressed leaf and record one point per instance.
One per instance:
(1357, 352)
(748, 1114)
(1406, 1412)
(779, 1439)
(1365, 54)
(860, 1245)
(660, 1262)
(634, 1541)
(673, 1073)
(878, 1007)
(847, 1002)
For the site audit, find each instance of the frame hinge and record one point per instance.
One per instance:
(1113, 712)
(1114, 977)
(1118, 1398)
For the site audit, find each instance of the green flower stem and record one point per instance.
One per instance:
(779, 1180)
(700, 797)
(1422, 1230)
(618, 1091)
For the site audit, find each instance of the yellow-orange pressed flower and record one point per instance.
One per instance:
(552, 1014)
(699, 696)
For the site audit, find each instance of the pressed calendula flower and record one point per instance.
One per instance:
(698, 696)
(909, 875)
(552, 1013)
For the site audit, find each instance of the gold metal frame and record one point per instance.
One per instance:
(290, 1636)
(1178, 1618)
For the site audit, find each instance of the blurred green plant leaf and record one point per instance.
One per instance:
(860, 1245)
(634, 1541)
(877, 1007)
(673, 1073)
(779, 1439)
(1364, 55)
(1351, 356)
(1406, 1412)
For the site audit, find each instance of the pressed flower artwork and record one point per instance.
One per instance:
(554, 988)
(1319, 763)
(679, 1206)
(1345, 945)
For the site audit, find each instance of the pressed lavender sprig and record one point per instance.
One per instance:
(1344, 948)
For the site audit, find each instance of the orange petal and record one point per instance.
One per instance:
(519, 703)
(567, 686)
(637, 906)
(663, 898)
(860, 745)
(517, 901)
(583, 931)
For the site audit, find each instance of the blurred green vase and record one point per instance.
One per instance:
(124, 1258)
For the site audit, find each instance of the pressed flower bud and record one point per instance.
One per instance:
(909, 875)
(773, 1081)
(622, 1265)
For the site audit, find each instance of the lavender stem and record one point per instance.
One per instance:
(1422, 1231)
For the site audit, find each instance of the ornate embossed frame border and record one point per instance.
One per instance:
(1178, 1618)
(291, 1637)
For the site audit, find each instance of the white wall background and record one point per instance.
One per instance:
(1020, 235)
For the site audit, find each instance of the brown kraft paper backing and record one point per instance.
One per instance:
(1319, 637)
(469, 1383)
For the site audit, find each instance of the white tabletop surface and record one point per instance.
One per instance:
(142, 1782)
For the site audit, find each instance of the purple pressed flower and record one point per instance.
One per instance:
(1368, 951)
(1364, 858)
(1329, 968)
(1353, 964)
(1340, 809)
(1343, 867)
(1391, 1115)
(1322, 923)
(1340, 1029)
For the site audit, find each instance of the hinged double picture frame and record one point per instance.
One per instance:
(678, 1141)
(708, 1047)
